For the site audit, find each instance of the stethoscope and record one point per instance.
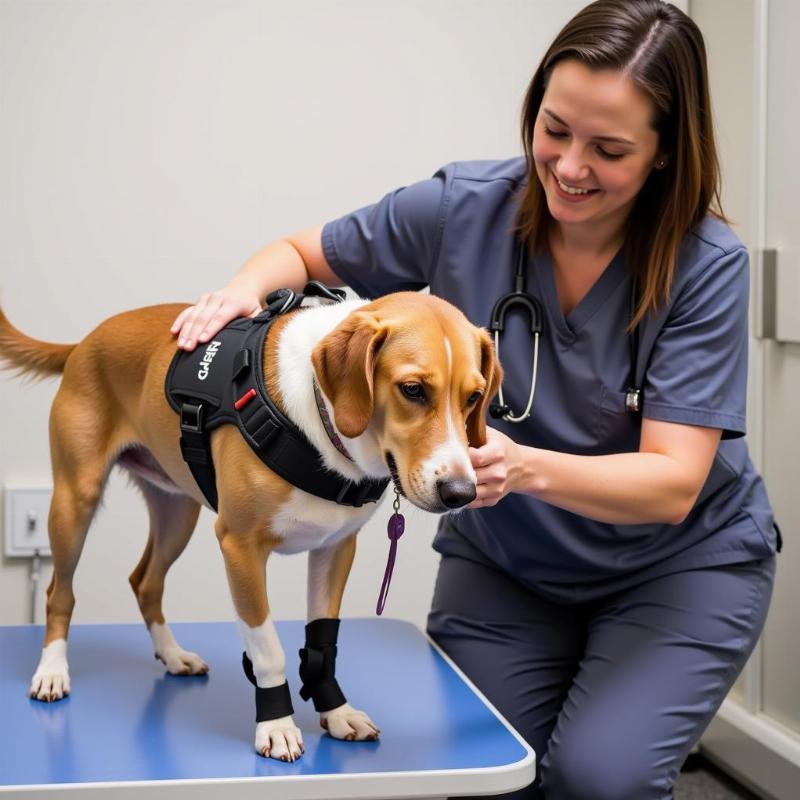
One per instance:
(520, 298)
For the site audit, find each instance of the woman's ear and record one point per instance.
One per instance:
(493, 374)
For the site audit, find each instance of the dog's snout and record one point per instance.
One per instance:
(457, 492)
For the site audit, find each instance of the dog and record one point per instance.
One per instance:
(406, 380)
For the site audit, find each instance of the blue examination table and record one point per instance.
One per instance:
(131, 728)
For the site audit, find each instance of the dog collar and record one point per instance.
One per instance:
(327, 423)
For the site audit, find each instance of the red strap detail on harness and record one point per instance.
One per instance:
(245, 399)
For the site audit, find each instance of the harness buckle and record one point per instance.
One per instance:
(363, 492)
(319, 289)
(355, 494)
(344, 491)
(192, 418)
(241, 364)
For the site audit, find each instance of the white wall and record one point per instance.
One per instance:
(147, 147)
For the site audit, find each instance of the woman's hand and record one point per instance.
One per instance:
(212, 312)
(498, 466)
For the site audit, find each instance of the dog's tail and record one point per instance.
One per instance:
(30, 356)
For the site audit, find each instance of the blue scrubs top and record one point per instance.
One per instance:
(453, 233)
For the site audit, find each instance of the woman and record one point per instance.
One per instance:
(608, 583)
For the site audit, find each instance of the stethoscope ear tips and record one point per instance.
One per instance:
(497, 411)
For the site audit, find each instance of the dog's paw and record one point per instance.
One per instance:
(49, 684)
(181, 662)
(346, 722)
(280, 739)
(51, 680)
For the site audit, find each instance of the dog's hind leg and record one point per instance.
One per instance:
(79, 469)
(172, 521)
(328, 569)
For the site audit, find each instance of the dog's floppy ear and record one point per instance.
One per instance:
(344, 363)
(493, 374)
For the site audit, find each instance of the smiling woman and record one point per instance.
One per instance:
(615, 115)
(578, 159)
(594, 148)
(615, 569)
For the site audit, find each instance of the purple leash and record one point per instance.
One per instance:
(397, 524)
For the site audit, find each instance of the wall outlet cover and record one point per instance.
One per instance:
(26, 511)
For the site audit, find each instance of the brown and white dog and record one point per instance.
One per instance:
(406, 380)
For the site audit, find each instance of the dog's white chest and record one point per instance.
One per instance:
(305, 522)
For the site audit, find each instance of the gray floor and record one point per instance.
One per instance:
(702, 780)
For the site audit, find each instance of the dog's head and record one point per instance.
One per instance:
(416, 376)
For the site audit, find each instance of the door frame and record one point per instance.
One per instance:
(763, 754)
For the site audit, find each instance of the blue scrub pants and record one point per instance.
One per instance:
(611, 694)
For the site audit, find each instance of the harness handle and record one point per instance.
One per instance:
(319, 289)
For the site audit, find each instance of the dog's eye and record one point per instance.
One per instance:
(413, 391)
(473, 398)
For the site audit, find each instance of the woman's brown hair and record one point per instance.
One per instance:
(663, 52)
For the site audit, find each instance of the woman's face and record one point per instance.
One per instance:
(593, 146)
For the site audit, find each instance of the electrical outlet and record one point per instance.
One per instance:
(26, 521)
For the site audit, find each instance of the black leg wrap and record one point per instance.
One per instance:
(271, 703)
(318, 665)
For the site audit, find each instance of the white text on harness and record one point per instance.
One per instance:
(208, 357)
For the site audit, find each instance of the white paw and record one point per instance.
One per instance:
(181, 662)
(346, 722)
(280, 739)
(49, 686)
(177, 660)
(51, 680)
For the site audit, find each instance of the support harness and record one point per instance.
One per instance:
(224, 384)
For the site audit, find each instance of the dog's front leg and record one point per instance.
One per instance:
(328, 569)
(265, 663)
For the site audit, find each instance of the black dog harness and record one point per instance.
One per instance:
(224, 384)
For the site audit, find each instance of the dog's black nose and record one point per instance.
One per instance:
(456, 493)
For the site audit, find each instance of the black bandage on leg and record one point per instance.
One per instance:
(318, 665)
(271, 703)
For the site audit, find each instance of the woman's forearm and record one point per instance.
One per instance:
(289, 262)
(275, 266)
(624, 488)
